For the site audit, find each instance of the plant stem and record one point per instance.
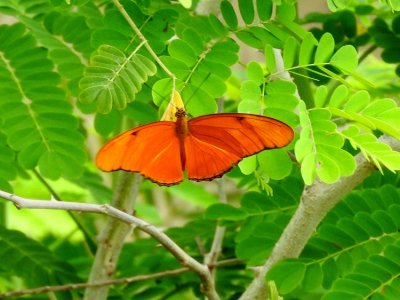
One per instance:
(143, 39)
(112, 237)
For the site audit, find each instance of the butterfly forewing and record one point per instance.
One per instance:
(152, 150)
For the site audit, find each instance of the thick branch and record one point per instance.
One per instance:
(317, 200)
(112, 237)
(170, 245)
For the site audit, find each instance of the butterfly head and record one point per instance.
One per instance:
(180, 113)
(174, 106)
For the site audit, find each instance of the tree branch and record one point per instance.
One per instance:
(78, 286)
(124, 280)
(185, 259)
(317, 200)
(112, 237)
(144, 40)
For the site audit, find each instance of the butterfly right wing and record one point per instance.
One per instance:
(152, 150)
(217, 142)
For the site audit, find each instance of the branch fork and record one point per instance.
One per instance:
(202, 270)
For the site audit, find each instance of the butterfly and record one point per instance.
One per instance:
(204, 147)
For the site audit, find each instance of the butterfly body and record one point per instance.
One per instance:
(205, 147)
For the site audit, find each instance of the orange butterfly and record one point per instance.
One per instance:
(205, 147)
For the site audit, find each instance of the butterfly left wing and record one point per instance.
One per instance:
(215, 143)
(152, 150)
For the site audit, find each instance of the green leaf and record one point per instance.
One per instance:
(320, 144)
(250, 107)
(105, 124)
(353, 229)
(335, 235)
(286, 11)
(8, 170)
(331, 167)
(256, 203)
(248, 165)
(192, 193)
(114, 79)
(329, 269)
(181, 50)
(306, 49)
(32, 106)
(290, 52)
(221, 211)
(250, 90)
(313, 277)
(339, 96)
(320, 96)
(352, 287)
(264, 9)
(385, 221)
(258, 37)
(254, 249)
(380, 154)
(228, 13)
(357, 101)
(276, 164)
(270, 58)
(246, 9)
(325, 49)
(346, 58)
(255, 72)
(368, 224)
(32, 262)
(161, 91)
(287, 275)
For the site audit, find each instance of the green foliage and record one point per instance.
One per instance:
(320, 148)
(114, 79)
(33, 107)
(31, 261)
(8, 170)
(201, 65)
(380, 154)
(266, 217)
(354, 252)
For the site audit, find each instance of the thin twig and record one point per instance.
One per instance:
(124, 280)
(143, 39)
(185, 259)
(78, 286)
